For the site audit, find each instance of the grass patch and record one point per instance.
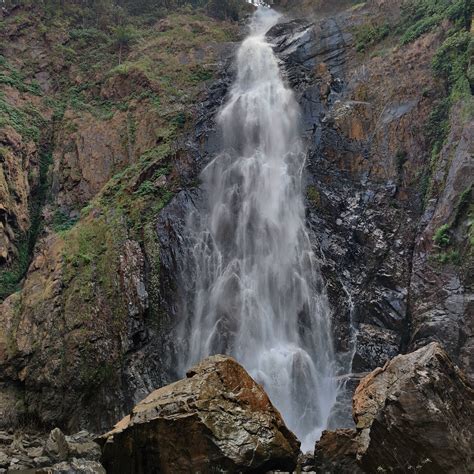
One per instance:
(370, 34)
(12, 77)
(26, 121)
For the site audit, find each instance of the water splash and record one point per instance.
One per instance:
(257, 293)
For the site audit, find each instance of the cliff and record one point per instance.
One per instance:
(105, 123)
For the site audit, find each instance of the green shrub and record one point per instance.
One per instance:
(370, 34)
(421, 16)
(62, 221)
(452, 257)
(27, 121)
(437, 128)
(451, 62)
(441, 237)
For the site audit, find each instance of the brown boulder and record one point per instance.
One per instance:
(416, 413)
(218, 419)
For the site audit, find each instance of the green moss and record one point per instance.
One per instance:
(437, 128)
(11, 276)
(314, 196)
(92, 374)
(62, 221)
(91, 267)
(12, 77)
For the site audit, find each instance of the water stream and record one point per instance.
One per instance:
(257, 292)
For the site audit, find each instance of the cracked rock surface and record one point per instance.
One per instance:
(218, 419)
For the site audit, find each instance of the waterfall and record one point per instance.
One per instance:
(256, 291)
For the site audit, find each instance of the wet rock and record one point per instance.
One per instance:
(442, 292)
(74, 466)
(217, 418)
(336, 452)
(416, 413)
(375, 345)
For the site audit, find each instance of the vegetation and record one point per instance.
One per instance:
(441, 236)
(370, 34)
(458, 234)
(124, 36)
(452, 64)
(422, 16)
(314, 196)
(93, 13)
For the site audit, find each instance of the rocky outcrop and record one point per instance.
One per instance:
(217, 419)
(442, 283)
(53, 453)
(417, 411)
(363, 199)
(86, 337)
(90, 150)
(414, 414)
(19, 175)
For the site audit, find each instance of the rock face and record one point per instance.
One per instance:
(19, 175)
(442, 302)
(216, 420)
(416, 413)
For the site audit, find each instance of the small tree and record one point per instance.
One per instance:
(124, 36)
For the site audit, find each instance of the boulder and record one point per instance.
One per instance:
(218, 419)
(416, 413)
(336, 452)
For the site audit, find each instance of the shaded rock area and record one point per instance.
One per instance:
(19, 176)
(53, 454)
(216, 420)
(442, 303)
(414, 414)
(336, 452)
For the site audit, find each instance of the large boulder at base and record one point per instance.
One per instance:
(216, 420)
(415, 415)
(336, 452)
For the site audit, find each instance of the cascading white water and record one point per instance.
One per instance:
(256, 292)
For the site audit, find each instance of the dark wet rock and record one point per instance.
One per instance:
(375, 346)
(218, 419)
(414, 414)
(442, 303)
(336, 452)
(417, 412)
